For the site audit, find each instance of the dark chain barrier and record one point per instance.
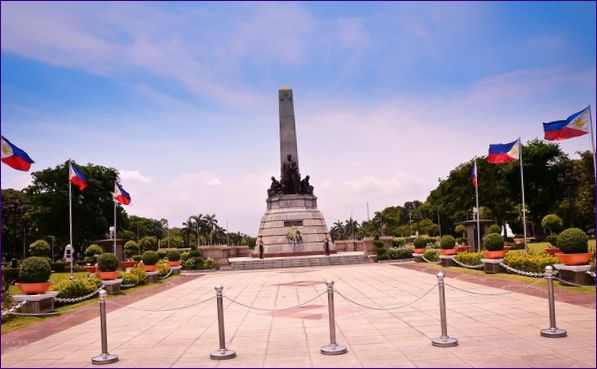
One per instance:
(496, 293)
(72, 300)
(429, 261)
(13, 309)
(522, 272)
(390, 308)
(275, 309)
(466, 265)
(166, 309)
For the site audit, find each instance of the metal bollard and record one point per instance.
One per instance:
(333, 348)
(552, 331)
(444, 340)
(105, 357)
(222, 353)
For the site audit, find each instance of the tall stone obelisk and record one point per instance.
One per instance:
(287, 126)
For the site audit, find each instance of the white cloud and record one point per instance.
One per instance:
(133, 176)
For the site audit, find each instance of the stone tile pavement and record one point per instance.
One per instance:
(499, 330)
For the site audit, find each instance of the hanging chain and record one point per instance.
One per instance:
(390, 308)
(279, 309)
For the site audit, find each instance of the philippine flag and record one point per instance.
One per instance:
(576, 125)
(15, 157)
(504, 153)
(474, 174)
(76, 176)
(121, 195)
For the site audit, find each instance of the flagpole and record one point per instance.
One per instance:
(524, 208)
(593, 144)
(114, 235)
(70, 206)
(477, 203)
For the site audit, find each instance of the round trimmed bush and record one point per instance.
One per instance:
(460, 229)
(35, 269)
(573, 241)
(39, 248)
(447, 242)
(173, 255)
(93, 250)
(461, 240)
(494, 242)
(494, 228)
(107, 262)
(148, 243)
(420, 242)
(130, 248)
(552, 223)
(150, 258)
(137, 258)
(552, 239)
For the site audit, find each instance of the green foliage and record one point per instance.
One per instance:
(77, 287)
(573, 241)
(432, 255)
(461, 240)
(39, 248)
(398, 241)
(400, 252)
(552, 223)
(150, 258)
(173, 242)
(382, 253)
(469, 258)
(35, 269)
(552, 239)
(494, 228)
(528, 262)
(197, 262)
(460, 229)
(162, 253)
(420, 242)
(163, 269)
(93, 250)
(148, 243)
(130, 248)
(447, 242)
(9, 276)
(137, 258)
(107, 262)
(135, 277)
(173, 255)
(494, 242)
(58, 267)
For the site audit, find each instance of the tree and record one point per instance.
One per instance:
(211, 222)
(552, 223)
(337, 231)
(15, 205)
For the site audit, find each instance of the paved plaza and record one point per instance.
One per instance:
(497, 329)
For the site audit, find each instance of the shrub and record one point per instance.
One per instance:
(398, 241)
(77, 287)
(431, 255)
(163, 269)
(573, 241)
(461, 240)
(162, 253)
(173, 255)
(150, 258)
(494, 228)
(107, 262)
(173, 242)
(400, 252)
(93, 250)
(185, 256)
(39, 248)
(494, 242)
(447, 242)
(382, 253)
(135, 277)
(9, 276)
(469, 258)
(552, 223)
(130, 248)
(137, 258)
(209, 263)
(552, 239)
(420, 242)
(148, 243)
(35, 269)
(58, 267)
(195, 254)
(460, 229)
(528, 262)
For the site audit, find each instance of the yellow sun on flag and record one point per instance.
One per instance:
(580, 122)
(5, 149)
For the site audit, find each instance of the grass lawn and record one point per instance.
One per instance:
(540, 246)
(17, 322)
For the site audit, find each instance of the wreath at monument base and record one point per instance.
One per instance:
(294, 235)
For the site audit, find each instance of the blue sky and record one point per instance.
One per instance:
(181, 98)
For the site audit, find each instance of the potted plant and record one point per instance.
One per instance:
(150, 259)
(494, 246)
(420, 245)
(107, 263)
(446, 244)
(553, 248)
(574, 244)
(39, 248)
(34, 275)
(91, 254)
(173, 258)
(130, 248)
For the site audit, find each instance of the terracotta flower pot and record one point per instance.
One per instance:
(91, 268)
(575, 259)
(494, 254)
(174, 263)
(34, 288)
(553, 250)
(108, 276)
(447, 251)
(127, 264)
(507, 247)
(420, 250)
(460, 249)
(149, 268)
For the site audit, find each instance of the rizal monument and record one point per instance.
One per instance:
(292, 225)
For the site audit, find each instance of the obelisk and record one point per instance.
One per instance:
(287, 126)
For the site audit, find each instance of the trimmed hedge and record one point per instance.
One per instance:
(173, 255)
(77, 287)
(130, 248)
(494, 242)
(39, 248)
(150, 258)
(107, 262)
(469, 258)
(447, 242)
(35, 269)
(135, 277)
(494, 228)
(573, 241)
(552, 239)
(432, 255)
(93, 250)
(528, 262)
(400, 252)
(420, 242)
(58, 267)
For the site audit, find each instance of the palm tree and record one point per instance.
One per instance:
(199, 223)
(351, 227)
(337, 231)
(188, 228)
(211, 222)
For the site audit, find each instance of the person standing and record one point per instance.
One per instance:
(260, 245)
(326, 244)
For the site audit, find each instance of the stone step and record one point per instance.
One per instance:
(297, 262)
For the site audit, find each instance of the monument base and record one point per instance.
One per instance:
(285, 212)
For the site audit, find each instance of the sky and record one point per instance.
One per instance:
(181, 98)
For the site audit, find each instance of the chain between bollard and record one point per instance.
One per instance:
(222, 353)
(444, 340)
(166, 309)
(105, 357)
(429, 261)
(390, 308)
(333, 348)
(278, 309)
(496, 293)
(553, 331)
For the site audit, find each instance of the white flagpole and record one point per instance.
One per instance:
(477, 203)
(593, 144)
(524, 208)
(114, 234)
(70, 205)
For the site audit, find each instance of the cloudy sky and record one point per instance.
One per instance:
(181, 98)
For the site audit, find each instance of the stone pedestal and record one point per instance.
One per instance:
(387, 242)
(112, 287)
(368, 246)
(153, 277)
(418, 258)
(176, 270)
(446, 260)
(37, 304)
(573, 274)
(492, 266)
(287, 211)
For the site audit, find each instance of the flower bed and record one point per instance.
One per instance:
(529, 262)
(469, 258)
